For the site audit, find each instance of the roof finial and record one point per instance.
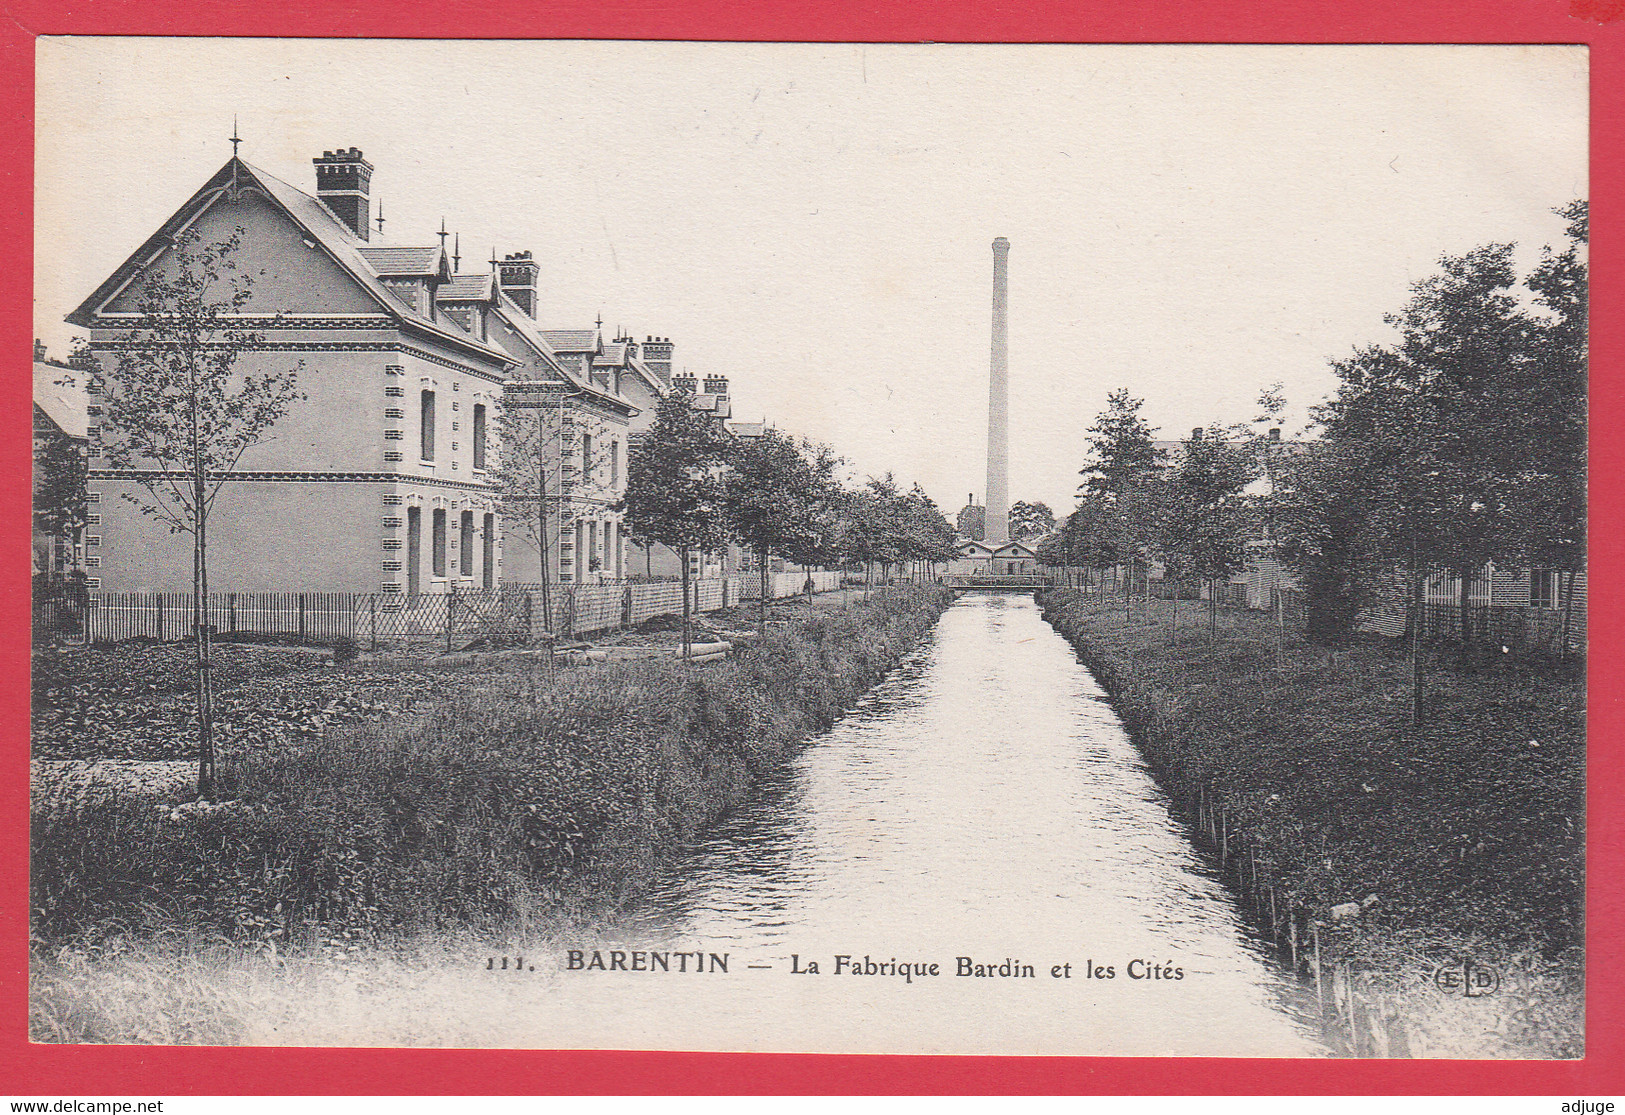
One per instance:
(457, 253)
(235, 138)
(380, 217)
(494, 261)
(600, 319)
(443, 233)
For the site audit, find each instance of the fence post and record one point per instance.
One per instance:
(451, 608)
(302, 628)
(626, 605)
(232, 611)
(159, 598)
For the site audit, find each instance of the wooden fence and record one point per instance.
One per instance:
(510, 613)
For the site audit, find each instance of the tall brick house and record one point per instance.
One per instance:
(376, 482)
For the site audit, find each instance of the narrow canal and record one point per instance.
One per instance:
(983, 802)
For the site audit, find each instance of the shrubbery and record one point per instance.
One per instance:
(544, 794)
(1468, 828)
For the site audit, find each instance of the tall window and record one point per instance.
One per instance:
(488, 557)
(438, 545)
(414, 549)
(586, 457)
(465, 545)
(614, 464)
(426, 424)
(479, 435)
(1543, 588)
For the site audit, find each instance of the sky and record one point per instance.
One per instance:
(815, 221)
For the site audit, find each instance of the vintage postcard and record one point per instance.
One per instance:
(825, 548)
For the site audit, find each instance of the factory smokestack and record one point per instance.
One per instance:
(998, 404)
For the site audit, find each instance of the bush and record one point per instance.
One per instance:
(548, 792)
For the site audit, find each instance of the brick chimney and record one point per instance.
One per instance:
(684, 381)
(657, 357)
(342, 181)
(716, 385)
(39, 351)
(519, 274)
(998, 401)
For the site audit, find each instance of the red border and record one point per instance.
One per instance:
(60, 1070)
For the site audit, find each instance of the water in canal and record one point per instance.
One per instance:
(983, 802)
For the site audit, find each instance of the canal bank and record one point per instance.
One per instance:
(1431, 874)
(525, 800)
(973, 858)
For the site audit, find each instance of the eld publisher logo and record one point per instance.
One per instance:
(1472, 981)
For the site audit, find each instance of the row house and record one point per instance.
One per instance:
(573, 425)
(390, 475)
(60, 449)
(379, 480)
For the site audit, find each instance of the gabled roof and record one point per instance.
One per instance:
(536, 339)
(397, 262)
(1014, 546)
(62, 403)
(469, 288)
(748, 429)
(311, 216)
(968, 546)
(614, 354)
(572, 340)
(715, 405)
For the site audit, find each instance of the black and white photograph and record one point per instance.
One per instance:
(1071, 550)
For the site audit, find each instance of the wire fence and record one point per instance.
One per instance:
(1518, 628)
(513, 613)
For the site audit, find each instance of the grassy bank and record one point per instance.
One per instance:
(1457, 839)
(534, 797)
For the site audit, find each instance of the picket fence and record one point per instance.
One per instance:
(507, 614)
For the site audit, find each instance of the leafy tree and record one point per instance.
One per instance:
(539, 440)
(1030, 520)
(1200, 521)
(972, 521)
(1553, 488)
(1088, 537)
(1439, 420)
(1123, 462)
(1319, 523)
(675, 493)
(178, 412)
(874, 532)
(775, 490)
(60, 470)
(931, 538)
(1121, 450)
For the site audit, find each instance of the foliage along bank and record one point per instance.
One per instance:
(1374, 854)
(544, 797)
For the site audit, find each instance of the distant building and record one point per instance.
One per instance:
(1002, 559)
(60, 443)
